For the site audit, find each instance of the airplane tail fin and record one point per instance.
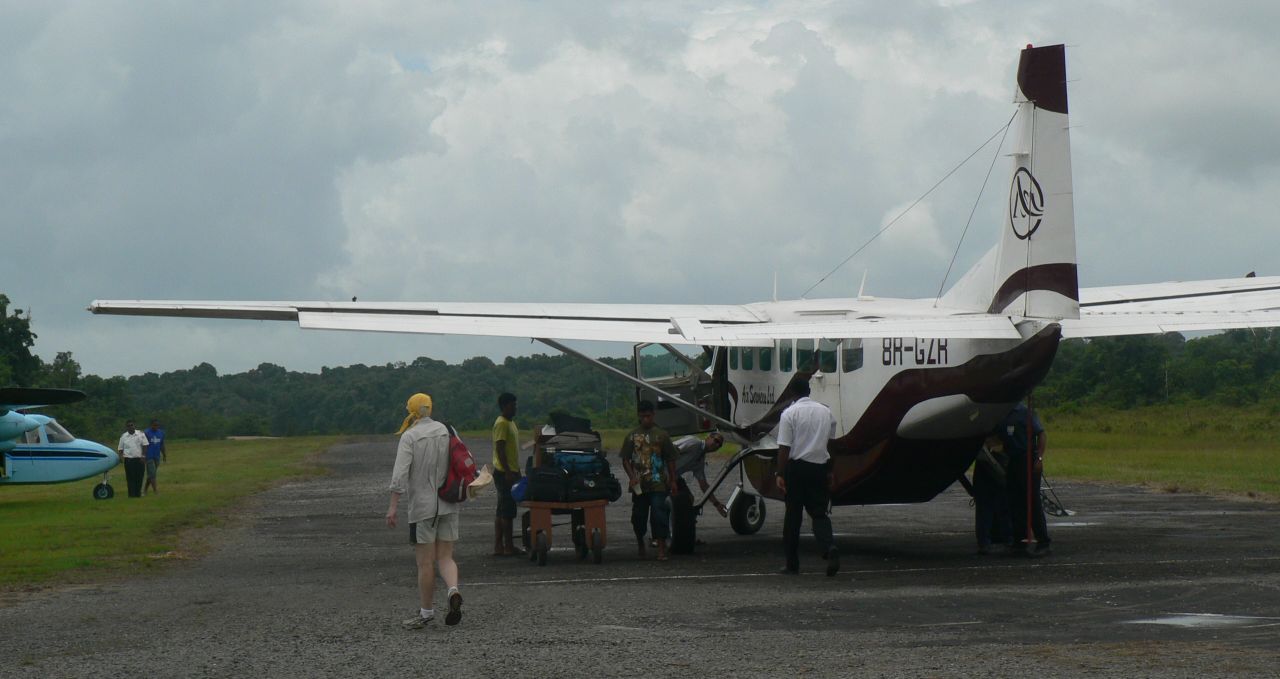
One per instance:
(1032, 271)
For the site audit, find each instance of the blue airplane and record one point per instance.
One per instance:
(38, 450)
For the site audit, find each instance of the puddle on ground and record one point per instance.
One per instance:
(1207, 620)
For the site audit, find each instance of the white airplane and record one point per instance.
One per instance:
(35, 449)
(914, 383)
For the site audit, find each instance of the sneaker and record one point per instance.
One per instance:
(455, 609)
(416, 622)
(833, 562)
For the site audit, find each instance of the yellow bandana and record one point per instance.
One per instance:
(419, 406)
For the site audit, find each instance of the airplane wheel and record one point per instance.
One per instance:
(103, 491)
(597, 546)
(747, 514)
(541, 548)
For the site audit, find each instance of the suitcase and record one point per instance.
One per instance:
(547, 484)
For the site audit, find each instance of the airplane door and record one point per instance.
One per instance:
(824, 386)
(677, 373)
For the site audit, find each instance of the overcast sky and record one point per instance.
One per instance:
(548, 151)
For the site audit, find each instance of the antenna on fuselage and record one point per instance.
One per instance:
(775, 285)
(863, 285)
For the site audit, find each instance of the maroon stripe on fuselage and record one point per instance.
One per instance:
(1059, 278)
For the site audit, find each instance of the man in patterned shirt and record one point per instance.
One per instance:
(649, 459)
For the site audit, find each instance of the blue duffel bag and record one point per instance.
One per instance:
(580, 463)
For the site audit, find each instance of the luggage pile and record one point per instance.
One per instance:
(573, 469)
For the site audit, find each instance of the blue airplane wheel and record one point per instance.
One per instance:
(103, 491)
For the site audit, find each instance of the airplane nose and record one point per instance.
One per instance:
(108, 462)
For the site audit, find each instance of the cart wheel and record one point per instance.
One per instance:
(103, 491)
(542, 548)
(580, 542)
(597, 546)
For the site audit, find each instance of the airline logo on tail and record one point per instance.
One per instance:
(1026, 204)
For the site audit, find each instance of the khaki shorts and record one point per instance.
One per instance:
(440, 529)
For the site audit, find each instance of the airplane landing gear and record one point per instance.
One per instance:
(103, 491)
(746, 512)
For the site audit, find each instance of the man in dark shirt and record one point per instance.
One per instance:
(649, 459)
(1026, 464)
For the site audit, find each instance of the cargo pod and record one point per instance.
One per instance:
(674, 373)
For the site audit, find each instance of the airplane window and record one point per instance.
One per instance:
(766, 358)
(56, 433)
(851, 359)
(733, 358)
(784, 355)
(804, 354)
(827, 356)
(748, 359)
(32, 437)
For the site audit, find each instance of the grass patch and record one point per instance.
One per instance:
(59, 533)
(1200, 449)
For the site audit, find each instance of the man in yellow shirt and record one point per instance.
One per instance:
(506, 471)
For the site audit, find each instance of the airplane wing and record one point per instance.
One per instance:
(20, 398)
(1177, 307)
(714, 325)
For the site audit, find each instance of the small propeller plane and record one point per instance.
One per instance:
(914, 383)
(38, 450)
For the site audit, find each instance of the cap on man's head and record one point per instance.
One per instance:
(645, 406)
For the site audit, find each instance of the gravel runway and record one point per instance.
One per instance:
(310, 583)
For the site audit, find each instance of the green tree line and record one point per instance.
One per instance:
(1235, 368)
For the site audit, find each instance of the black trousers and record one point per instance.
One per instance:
(134, 468)
(806, 492)
(1016, 485)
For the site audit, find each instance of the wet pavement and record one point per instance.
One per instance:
(309, 582)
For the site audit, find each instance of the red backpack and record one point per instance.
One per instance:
(462, 470)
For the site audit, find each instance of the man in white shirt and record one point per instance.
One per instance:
(132, 445)
(422, 465)
(804, 475)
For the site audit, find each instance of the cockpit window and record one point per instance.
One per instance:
(56, 433)
(32, 438)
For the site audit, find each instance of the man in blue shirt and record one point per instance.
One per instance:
(1026, 464)
(155, 453)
